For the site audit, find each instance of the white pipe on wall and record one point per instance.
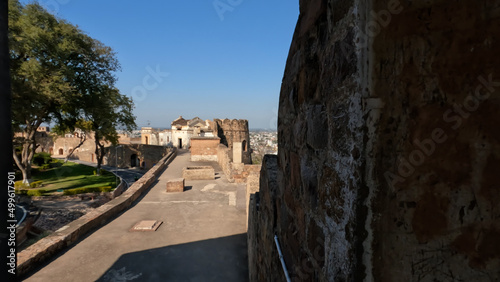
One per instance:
(287, 276)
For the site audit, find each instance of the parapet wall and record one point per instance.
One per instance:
(45, 248)
(224, 160)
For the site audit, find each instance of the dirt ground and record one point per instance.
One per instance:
(58, 211)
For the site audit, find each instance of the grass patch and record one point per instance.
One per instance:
(72, 175)
(87, 190)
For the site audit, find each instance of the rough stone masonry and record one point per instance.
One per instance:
(389, 148)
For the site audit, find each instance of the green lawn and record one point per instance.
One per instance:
(72, 175)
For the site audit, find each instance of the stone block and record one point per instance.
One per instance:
(198, 173)
(175, 185)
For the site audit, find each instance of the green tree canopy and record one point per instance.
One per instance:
(59, 74)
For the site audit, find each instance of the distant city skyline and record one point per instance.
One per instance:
(208, 59)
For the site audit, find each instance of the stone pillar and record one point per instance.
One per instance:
(175, 185)
(237, 152)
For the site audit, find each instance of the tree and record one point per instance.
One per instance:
(108, 110)
(54, 68)
(85, 128)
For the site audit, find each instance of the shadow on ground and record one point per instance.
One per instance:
(219, 259)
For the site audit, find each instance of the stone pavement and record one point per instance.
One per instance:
(202, 237)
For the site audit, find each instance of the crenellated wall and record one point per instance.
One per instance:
(388, 151)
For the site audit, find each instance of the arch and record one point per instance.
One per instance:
(244, 145)
(133, 160)
(61, 151)
(146, 139)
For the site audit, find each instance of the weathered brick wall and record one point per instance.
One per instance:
(224, 161)
(251, 173)
(86, 152)
(204, 148)
(150, 155)
(387, 147)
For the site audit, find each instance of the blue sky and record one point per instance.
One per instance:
(226, 64)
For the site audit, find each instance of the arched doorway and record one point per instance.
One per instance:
(133, 160)
(244, 145)
(61, 151)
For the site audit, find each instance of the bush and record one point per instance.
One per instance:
(19, 184)
(87, 190)
(45, 166)
(105, 189)
(41, 158)
(36, 192)
(56, 163)
(21, 191)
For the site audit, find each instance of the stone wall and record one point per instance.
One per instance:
(224, 160)
(263, 258)
(198, 173)
(252, 177)
(387, 147)
(146, 156)
(204, 148)
(86, 152)
(41, 251)
(436, 148)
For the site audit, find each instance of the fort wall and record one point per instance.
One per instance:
(388, 148)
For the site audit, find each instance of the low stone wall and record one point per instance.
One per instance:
(263, 258)
(224, 161)
(252, 173)
(119, 189)
(198, 173)
(67, 235)
(204, 158)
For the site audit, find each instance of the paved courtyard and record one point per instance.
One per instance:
(202, 237)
